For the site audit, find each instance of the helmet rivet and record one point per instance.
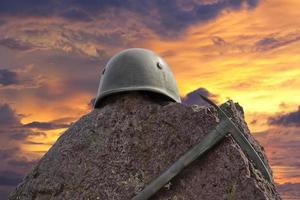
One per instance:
(159, 65)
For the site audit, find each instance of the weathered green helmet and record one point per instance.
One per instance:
(137, 70)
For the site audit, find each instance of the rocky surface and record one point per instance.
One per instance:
(113, 152)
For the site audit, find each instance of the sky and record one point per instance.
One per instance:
(52, 53)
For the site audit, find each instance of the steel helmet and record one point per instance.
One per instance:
(137, 69)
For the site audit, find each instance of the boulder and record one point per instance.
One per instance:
(113, 152)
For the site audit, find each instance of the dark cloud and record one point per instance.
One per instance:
(45, 125)
(15, 44)
(289, 190)
(218, 41)
(4, 194)
(289, 119)
(2, 22)
(8, 117)
(12, 165)
(10, 125)
(7, 153)
(8, 77)
(36, 143)
(65, 120)
(22, 79)
(269, 43)
(193, 98)
(76, 15)
(10, 178)
(166, 17)
(23, 163)
(23, 133)
(282, 145)
(12, 168)
(171, 19)
(28, 8)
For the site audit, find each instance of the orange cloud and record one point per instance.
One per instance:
(250, 56)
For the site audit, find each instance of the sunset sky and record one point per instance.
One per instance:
(52, 53)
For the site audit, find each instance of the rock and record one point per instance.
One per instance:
(114, 151)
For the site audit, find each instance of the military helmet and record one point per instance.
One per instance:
(137, 69)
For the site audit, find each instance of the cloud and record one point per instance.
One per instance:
(112, 39)
(8, 77)
(30, 7)
(76, 15)
(20, 79)
(12, 173)
(68, 80)
(67, 76)
(289, 190)
(45, 125)
(282, 145)
(193, 97)
(10, 178)
(7, 153)
(15, 44)
(12, 134)
(22, 134)
(171, 18)
(11, 126)
(36, 143)
(2, 22)
(289, 119)
(13, 166)
(269, 42)
(23, 163)
(166, 18)
(8, 117)
(218, 41)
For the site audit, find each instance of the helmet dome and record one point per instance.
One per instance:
(137, 69)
